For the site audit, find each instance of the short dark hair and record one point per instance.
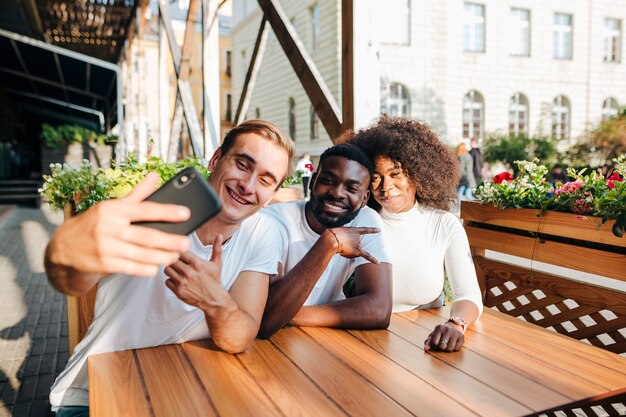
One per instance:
(351, 152)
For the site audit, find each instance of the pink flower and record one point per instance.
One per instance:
(503, 176)
(582, 206)
(569, 187)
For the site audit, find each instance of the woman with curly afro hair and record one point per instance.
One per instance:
(413, 187)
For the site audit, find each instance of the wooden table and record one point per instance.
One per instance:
(506, 368)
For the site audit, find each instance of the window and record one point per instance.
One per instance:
(314, 122)
(560, 117)
(474, 27)
(229, 57)
(395, 100)
(229, 107)
(518, 115)
(612, 40)
(520, 32)
(315, 27)
(610, 108)
(473, 105)
(393, 21)
(562, 36)
(292, 118)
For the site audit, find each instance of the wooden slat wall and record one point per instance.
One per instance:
(576, 309)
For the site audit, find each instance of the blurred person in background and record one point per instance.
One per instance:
(467, 182)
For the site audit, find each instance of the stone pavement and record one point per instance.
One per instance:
(33, 325)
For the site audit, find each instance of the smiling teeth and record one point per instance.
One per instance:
(236, 198)
(333, 206)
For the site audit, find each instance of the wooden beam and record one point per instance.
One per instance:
(253, 70)
(211, 90)
(184, 90)
(321, 98)
(347, 64)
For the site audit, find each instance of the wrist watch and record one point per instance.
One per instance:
(458, 321)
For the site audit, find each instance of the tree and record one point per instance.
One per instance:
(511, 148)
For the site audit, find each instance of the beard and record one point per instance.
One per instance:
(331, 221)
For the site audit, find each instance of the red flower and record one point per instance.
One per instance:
(503, 176)
(615, 177)
(309, 167)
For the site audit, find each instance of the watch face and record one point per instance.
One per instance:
(459, 322)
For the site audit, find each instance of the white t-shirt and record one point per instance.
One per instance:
(298, 238)
(302, 166)
(422, 242)
(133, 312)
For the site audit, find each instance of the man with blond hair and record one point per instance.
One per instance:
(216, 280)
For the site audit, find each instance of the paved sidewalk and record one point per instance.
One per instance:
(33, 325)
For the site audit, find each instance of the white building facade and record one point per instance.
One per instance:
(468, 68)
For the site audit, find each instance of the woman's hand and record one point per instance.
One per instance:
(446, 337)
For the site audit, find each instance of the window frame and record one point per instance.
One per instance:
(517, 25)
(561, 130)
(471, 41)
(518, 104)
(476, 101)
(612, 50)
(560, 35)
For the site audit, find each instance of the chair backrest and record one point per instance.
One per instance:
(79, 309)
(79, 316)
(581, 310)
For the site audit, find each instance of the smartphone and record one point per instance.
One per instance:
(187, 188)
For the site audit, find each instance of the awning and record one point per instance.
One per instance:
(52, 79)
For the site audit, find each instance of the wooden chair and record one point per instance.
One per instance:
(611, 404)
(80, 310)
(577, 309)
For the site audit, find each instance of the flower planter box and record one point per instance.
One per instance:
(570, 307)
(288, 194)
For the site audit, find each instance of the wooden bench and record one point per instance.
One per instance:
(571, 307)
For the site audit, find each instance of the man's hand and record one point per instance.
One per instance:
(446, 337)
(196, 281)
(102, 241)
(349, 241)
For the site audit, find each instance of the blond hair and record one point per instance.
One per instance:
(263, 128)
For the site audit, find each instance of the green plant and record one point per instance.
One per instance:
(589, 193)
(51, 137)
(511, 148)
(56, 137)
(293, 179)
(82, 187)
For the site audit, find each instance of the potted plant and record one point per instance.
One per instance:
(592, 197)
(75, 188)
(290, 190)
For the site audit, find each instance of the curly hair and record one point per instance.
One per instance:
(428, 163)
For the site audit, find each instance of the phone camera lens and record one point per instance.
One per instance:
(184, 179)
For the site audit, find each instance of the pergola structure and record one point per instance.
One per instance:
(334, 119)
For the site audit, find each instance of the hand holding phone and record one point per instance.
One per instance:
(188, 188)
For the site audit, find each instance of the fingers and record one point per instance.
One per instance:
(445, 339)
(369, 257)
(151, 256)
(366, 230)
(146, 187)
(150, 211)
(216, 256)
(155, 239)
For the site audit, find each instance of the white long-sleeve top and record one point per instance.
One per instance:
(423, 244)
